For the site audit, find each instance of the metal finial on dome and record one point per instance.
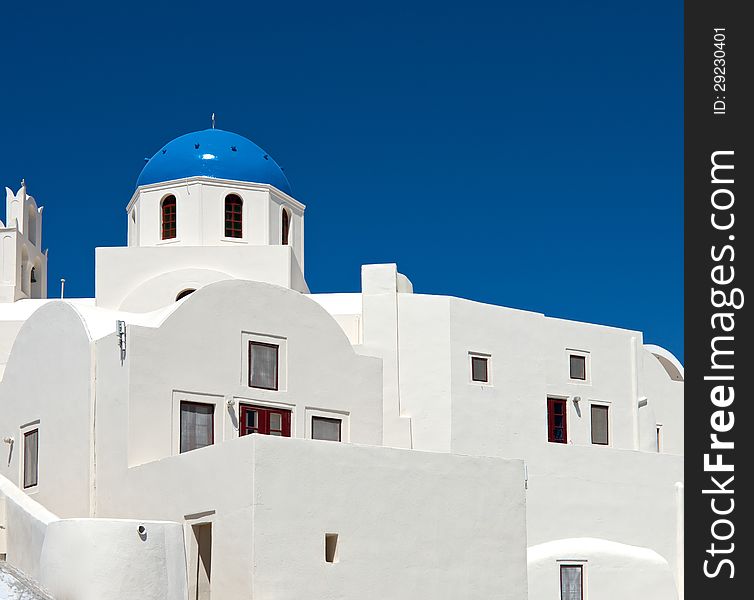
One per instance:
(213, 120)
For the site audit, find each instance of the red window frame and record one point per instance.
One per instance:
(252, 344)
(557, 407)
(285, 227)
(168, 218)
(233, 216)
(263, 420)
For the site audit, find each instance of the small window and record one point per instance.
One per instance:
(263, 365)
(599, 424)
(479, 369)
(183, 294)
(264, 420)
(168, 218)
(578, 367)
(233, 216)
(571, 582)
(31, 458)
(325, 428)
(197, 425)
(34, 275)
(658, 430)
(556, 421)
(285, 227)
(331, 547)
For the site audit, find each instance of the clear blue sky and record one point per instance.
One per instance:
(522, 154)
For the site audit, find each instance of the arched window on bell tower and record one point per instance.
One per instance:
(168, 218)
(233, 216)
(285, 227)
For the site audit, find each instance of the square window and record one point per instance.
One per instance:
(263, 365)
(578, 367)
(479, 369)
(265, 420)
(557, 421)
(31, 458)
(599, 424)
(197, 425)
(325, 428)
(571, 582)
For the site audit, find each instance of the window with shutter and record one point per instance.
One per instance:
(263, 365)
(31, 458)
(325, 428)
(599, 424)
(197, 425)
(571, 582)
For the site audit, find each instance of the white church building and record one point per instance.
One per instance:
(207, 428)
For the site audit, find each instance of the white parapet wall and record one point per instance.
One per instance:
(110, 559)
(608, 569)
(92, 559)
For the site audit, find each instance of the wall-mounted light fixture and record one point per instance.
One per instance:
(120, 327)
(577, 399)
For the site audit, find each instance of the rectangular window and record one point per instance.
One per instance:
(659, 438)
(325, 428)
(479, 369)
(599, 424)
(556, 420)
(264, 420)
(263, 365)
(571, 582)
(578, 367)
(197, 425)
(31, 458)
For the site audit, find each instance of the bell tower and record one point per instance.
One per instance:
(23, 264)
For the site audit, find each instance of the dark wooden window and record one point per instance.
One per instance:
(264, 420)
(599, 424)
(168, 218)
(479, 369)
(325, 428)
(197, 425)
(233, 216)
(556, 421)
(571, 582)
(263, 365)
(285, 227)
(578, 367)
(31, 458)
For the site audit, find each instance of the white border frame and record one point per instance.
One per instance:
(484, 355)
(201, 398)
(282, 344)
(588, 366)
(344, 416)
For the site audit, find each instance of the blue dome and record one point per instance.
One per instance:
(213, 153)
